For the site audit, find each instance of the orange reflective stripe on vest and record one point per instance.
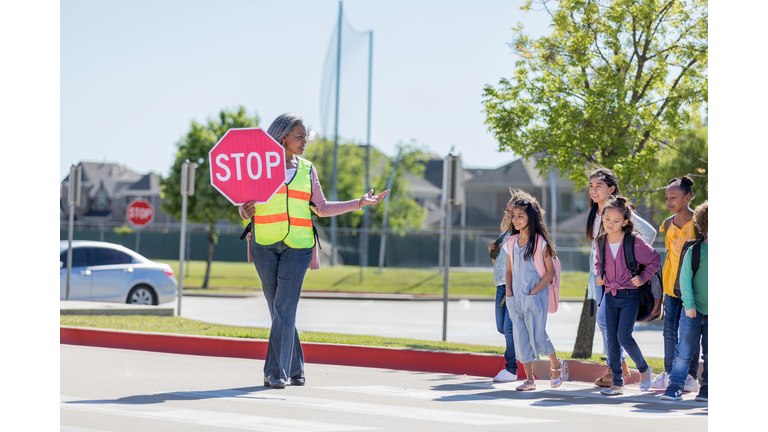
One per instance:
(299, 222)
(275, 218)
(299, 195)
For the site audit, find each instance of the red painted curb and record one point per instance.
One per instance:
(484, 365)
(343, 355)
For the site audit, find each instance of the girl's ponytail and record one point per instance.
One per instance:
(625, 206)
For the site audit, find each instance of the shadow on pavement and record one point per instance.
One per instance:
(174, 396)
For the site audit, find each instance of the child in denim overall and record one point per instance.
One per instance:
(527, 291)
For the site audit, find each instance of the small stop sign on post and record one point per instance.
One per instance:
(139, 213)
(247, 165)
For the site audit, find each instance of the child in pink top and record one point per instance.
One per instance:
(621, 289)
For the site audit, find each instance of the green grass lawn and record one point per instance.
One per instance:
(234, 275)
(192, 327)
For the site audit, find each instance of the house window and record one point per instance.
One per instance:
(581, 203)
(101, 201)
(565, 203)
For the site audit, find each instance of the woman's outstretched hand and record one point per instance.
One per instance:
(370, 199)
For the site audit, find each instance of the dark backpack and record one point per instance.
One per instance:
(695, 247)
(650, 306)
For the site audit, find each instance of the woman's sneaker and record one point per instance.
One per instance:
(661, 381)
(505, 376)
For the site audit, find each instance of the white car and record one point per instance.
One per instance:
(108, 272)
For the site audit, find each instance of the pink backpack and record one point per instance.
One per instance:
(538, 259)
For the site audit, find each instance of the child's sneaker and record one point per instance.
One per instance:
(661, 381)
(691, 385)
(673, 393)
(703, 394)
(646, 385)
(505, 376)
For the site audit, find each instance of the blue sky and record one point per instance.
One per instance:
(134, 74)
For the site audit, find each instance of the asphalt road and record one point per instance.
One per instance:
(122, 390)
(468, 321)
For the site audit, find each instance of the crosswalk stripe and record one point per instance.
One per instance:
(428, 414)
(204, 417)
(602, 408)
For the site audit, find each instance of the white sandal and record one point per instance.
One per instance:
(556, 382)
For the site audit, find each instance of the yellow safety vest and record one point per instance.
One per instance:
(287, 217)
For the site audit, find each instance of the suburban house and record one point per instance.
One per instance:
(487, 193)
(106, 189)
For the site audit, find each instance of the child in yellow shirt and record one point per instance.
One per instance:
(677, 229)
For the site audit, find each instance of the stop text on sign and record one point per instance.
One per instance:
(252, 160)
(139, 213)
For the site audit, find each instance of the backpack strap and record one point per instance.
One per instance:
(688, 245)
(601, 250)
(695, 258)
(629, 253)
(696, 233)
(667, 223)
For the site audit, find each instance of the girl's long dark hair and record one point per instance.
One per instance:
(536, 225)
(625, 206)
(610, 179)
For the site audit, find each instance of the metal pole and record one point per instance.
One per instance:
(367, 214)
(382, 247)
(553, 192)
(447, 259)
(334, 191)
(441, 246)
(71, 201)
(184, 180)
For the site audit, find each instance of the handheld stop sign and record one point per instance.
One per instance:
(247, 165)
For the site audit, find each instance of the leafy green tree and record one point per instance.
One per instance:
(605, 88)
(404, 211)
(207, 205)
(686, 154)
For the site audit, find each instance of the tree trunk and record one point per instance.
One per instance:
(209, 256)
(586, 333)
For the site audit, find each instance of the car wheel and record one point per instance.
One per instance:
(142, 295)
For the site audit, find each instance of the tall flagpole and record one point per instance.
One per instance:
(334, 192)
(367, 215)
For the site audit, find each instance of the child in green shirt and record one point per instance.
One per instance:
(693, 319)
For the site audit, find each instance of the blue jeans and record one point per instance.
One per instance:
(673, 310)
(620, 314)
(600, 318)
(282, 270)
(693, 331)
(504, 326)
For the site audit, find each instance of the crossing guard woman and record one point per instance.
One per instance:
(282, 245)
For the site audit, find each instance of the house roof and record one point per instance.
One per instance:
(516, 173)
(117, 179)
